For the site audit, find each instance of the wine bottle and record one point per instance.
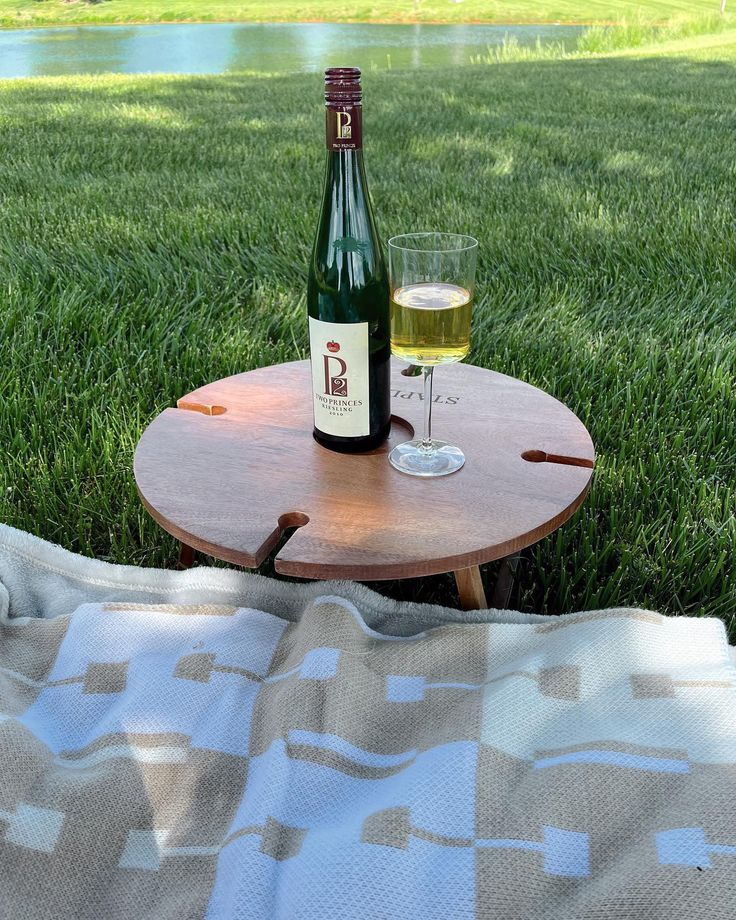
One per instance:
(347, 292)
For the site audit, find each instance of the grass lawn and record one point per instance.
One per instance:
(155, 233)
(46, 12)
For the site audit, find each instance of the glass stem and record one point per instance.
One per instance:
(427, 439)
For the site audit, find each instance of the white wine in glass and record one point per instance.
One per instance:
(430, 323)
(432, 278)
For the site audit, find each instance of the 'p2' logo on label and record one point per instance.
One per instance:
(344, 126)
(336, 383)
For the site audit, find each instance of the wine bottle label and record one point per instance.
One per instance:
(344, 127)
(340, 378)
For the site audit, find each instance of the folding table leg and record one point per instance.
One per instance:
(505, 581)
(470, 587)
(187, 555)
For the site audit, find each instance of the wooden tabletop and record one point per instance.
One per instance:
(235, 464)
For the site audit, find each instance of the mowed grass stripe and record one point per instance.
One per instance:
(155, 234)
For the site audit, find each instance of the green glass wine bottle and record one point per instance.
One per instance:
(347, 292)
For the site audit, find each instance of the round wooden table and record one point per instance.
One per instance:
(235, 464)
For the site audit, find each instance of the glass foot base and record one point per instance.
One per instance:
(410, 458)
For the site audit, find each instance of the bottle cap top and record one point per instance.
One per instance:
(342, 85)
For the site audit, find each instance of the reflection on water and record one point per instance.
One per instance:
(263, 47)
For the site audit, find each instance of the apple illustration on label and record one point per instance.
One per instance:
(334, 347)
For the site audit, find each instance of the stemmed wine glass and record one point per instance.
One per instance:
(432, 278)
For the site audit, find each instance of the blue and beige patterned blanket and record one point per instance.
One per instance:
(210, 744)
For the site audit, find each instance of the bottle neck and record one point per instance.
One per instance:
(346, 207)
(344, 127)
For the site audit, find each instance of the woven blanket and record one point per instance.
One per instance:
(214, 744)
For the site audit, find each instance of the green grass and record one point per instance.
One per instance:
(47, 12)
(605, 39)
(627, 36)
(155, 232)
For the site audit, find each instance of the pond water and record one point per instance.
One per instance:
(261, 47)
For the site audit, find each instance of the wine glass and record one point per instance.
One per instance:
(432, 277)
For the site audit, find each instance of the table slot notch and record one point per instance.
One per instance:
(293, 519)
(541, 456)
(201, 408)
(287, 524)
